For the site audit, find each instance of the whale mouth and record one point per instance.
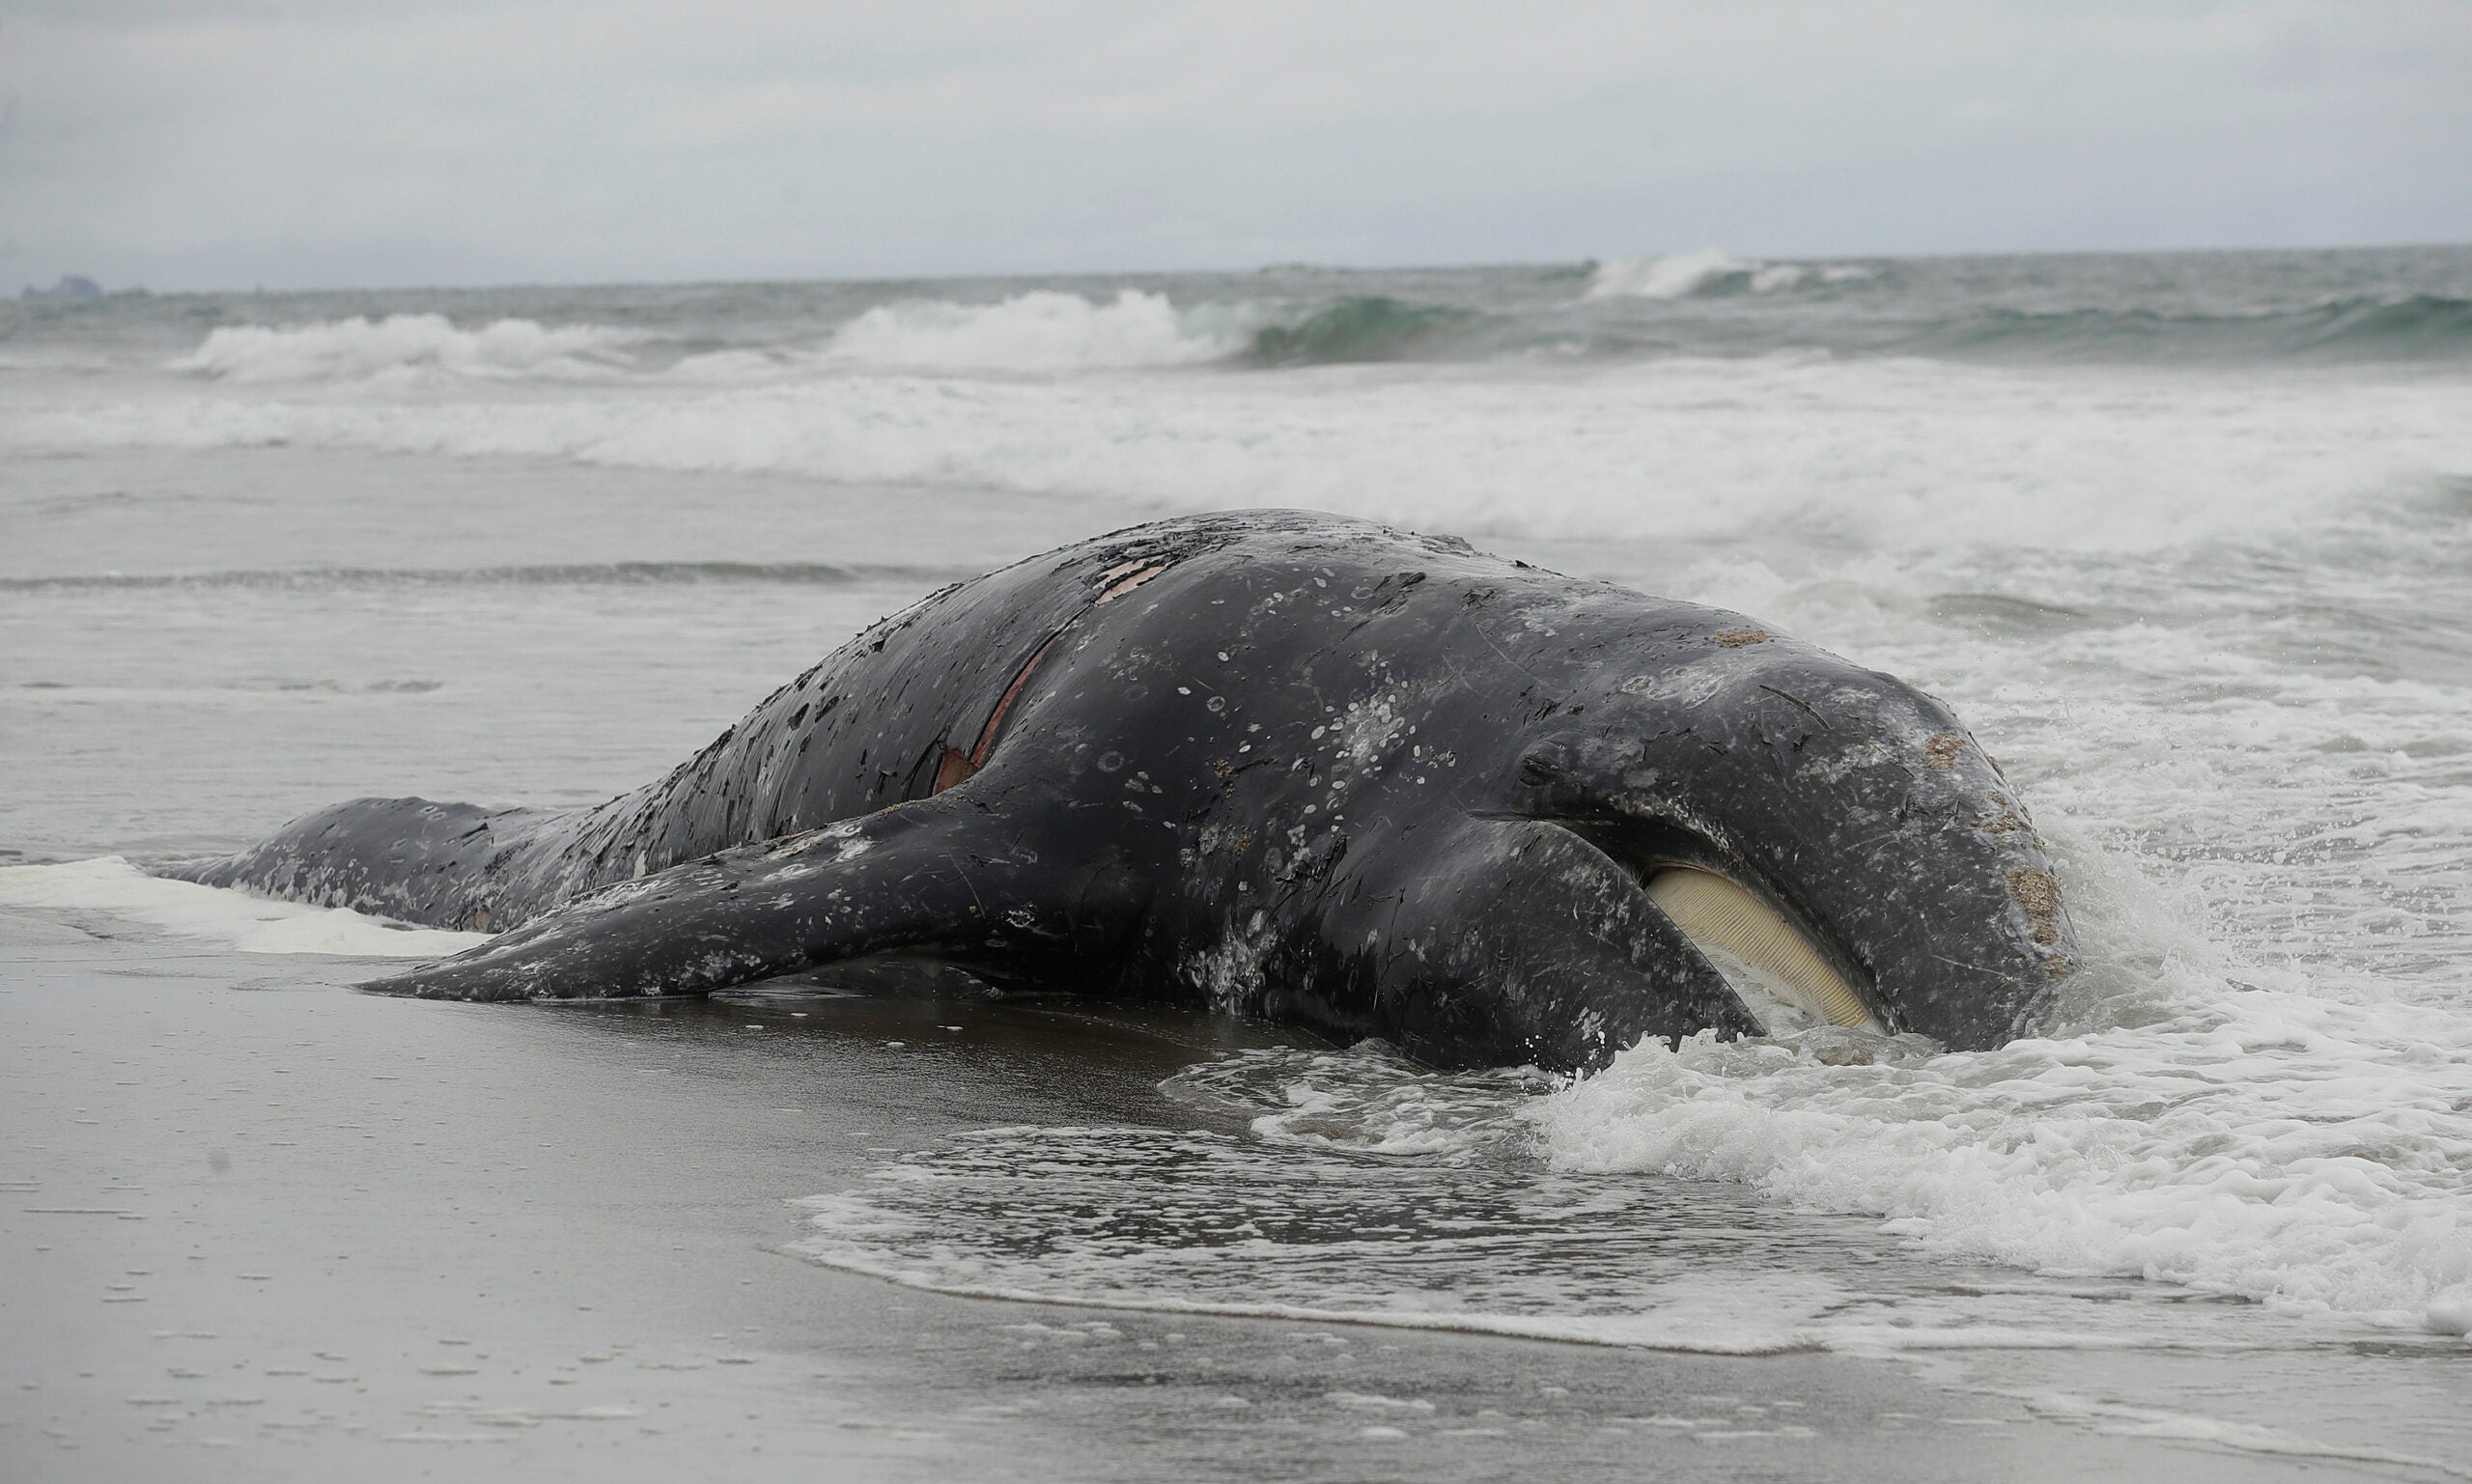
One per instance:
(1781, 977)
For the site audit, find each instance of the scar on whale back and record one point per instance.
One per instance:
(959, 766)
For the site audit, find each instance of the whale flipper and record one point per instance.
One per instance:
(942, 874)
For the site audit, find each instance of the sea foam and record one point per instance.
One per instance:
(1041, 330)
(2267, 1145)
(1892, 454)
(1709, 270)
(2274, 1146)
(402, 344)
(110, 886)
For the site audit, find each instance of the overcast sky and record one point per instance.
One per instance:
(218, 143)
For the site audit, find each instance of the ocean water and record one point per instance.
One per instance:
(2187, 539)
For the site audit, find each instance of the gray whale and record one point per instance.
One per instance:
(1291, 767)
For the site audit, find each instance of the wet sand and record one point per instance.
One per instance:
(254, 1225)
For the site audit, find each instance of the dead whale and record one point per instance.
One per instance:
(1292, 767)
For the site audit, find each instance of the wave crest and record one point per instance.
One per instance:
(1368, 327)
(360, 348)
(1971, 453)
(1042, 330)
(1708, 273)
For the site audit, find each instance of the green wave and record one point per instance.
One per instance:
(1369, 327)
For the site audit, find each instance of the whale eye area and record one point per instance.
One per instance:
(1780, 975)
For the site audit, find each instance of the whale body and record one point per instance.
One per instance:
(1290, 766)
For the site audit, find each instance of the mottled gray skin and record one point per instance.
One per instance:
(1284, 765)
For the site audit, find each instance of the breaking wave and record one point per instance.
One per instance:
(1972, 453)
(1710, 272)
(408, 344)
(1042, 330)
(1052, 331)
(1640, 310)
(1363, 328)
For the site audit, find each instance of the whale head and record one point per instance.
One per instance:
(1830, 840)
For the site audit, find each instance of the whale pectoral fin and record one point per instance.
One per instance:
(936, 876)
(1528, 944)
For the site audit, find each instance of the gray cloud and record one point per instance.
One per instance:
(229, 144)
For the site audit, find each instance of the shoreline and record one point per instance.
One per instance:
(256, 1226)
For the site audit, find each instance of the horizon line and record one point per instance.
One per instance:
(33, 293)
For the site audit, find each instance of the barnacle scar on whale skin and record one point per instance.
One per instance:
(1287, 765)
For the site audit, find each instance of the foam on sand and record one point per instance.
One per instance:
(109, 884)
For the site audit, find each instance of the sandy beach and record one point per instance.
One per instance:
(256, 1226)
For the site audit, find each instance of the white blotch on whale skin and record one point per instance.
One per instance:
(1369, 728)
(620, 894)
(1230, 971)
(846, 840)
(1835, 766)
(109, 884)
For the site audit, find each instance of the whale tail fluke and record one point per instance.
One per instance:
(415, 860)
